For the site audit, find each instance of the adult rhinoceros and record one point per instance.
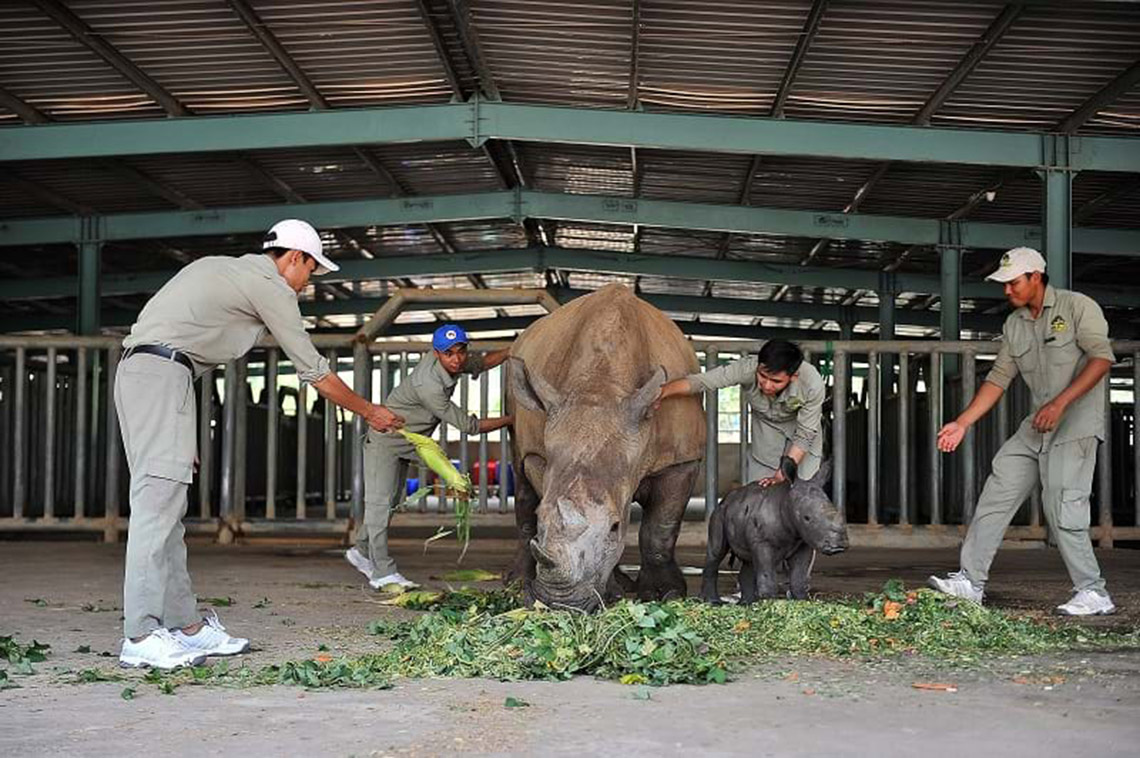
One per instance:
(587, 442)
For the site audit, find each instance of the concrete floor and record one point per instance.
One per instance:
(1073, 704)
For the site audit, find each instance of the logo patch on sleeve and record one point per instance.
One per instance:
(1058, 324)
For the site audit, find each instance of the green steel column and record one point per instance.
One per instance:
(1058, 226)
(951, 314)
(90, 276)
(887, 291)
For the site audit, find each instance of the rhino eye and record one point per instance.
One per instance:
(614, 528)
(807, 518)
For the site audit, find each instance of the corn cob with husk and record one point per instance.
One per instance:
(434, 458)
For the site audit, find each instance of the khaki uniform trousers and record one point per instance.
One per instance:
(154, 398)
(1066, 473)
(385, 472)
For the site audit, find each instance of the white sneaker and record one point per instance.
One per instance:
(957, 584)
(159, 650)
(1088, 603)
(393, 578)
(212, 639)
(360, 562)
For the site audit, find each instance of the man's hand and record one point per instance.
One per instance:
(950, 437)
(1049, 415)
(383, 420)
(769, 481)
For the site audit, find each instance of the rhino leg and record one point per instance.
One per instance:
(663, 500)
(526, 519)
(764, 568)
(799, 565)
(747, 581)
(717, 548)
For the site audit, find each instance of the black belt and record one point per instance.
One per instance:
(162, 352)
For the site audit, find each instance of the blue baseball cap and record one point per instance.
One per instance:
(448, 335)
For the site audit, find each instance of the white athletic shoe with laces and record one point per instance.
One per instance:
(360, 562)
(957, 584)
(1088, 603)
(212, 639)
(160, 650)
(393, 578)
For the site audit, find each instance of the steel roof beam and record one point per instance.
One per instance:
(29, 113)
(43, 193)
(1105, 199)
(524, 204)
(792, 70)
(543, 259)
(274, 47)
(965, 66)
(94, 42)
(1107, 95)
(969, 62)
(479, 120)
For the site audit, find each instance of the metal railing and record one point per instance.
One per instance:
(265, 471)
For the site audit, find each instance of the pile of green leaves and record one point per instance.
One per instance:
(650, 643)
(20, 658)
(485, 634)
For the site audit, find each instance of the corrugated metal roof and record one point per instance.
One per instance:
(874, 61)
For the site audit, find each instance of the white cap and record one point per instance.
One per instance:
(294, 234)
(1018, 261)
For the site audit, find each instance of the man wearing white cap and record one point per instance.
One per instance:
(1058, 341)
(213, 311)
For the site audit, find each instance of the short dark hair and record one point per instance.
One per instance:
(780, 355)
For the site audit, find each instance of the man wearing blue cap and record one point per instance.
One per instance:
(423, 399)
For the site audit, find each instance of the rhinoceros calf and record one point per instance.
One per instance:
(771, 530)
(588, 441)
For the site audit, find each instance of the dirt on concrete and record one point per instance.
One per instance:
(290, 600)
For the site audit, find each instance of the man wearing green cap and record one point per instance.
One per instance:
(1058, 341)
(423, 399)
(214, 310)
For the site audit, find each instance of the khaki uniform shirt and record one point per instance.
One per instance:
(793, 416)
(216, 309)
(424, 399)
(1049, 352)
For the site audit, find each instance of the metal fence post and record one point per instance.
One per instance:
(272, 431)
(330, 449)
(80, 433)
(1104, 470)
(504, 443)
(49, 434)
(114, 443)
(839, 432)
(743, 443)
(362, 385)
(229, 428)
(969, 470)
(1136, 438)
(712, 427)
(19, 435)
(205, 443)
(905, 445)
(302, 446)
(874, 391)
(484, 472)
(934, 410)
(241, 439)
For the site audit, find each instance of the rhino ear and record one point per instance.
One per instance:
(640, 403)
(532, 391)
(823, 476)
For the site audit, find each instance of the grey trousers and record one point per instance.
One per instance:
(385, 471)
(154, 398)
(1066, 473)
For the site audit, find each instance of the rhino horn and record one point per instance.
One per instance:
(640, 402)
(569, 514)
(541, 555)
(531, 390)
